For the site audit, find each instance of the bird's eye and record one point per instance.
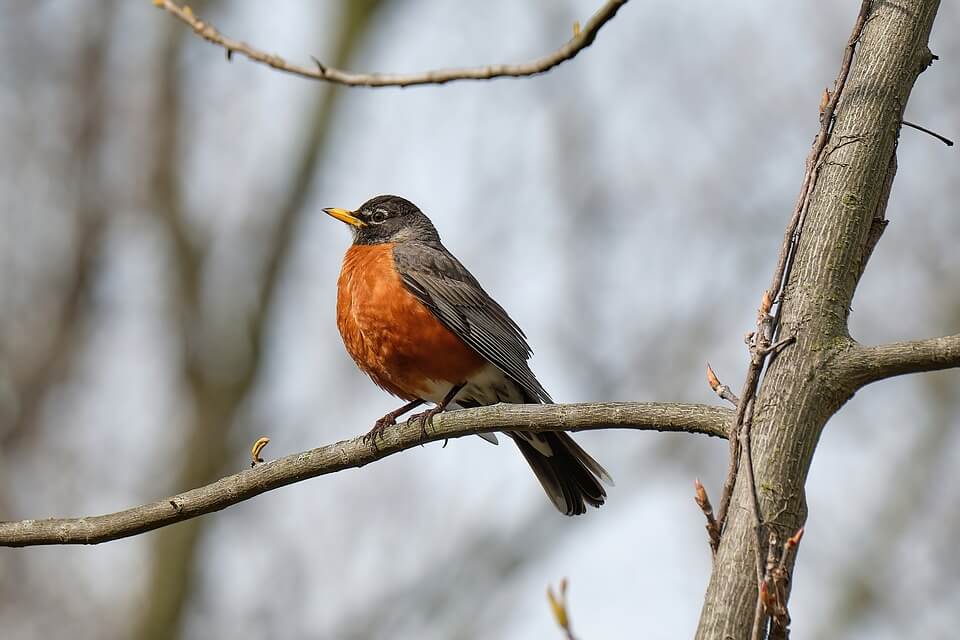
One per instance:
(378, 216)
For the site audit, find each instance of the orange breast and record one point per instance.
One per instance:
(390, 334)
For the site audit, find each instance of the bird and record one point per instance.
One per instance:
(417, 322)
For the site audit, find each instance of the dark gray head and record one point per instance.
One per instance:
(387, 219)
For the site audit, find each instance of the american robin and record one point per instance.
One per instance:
(421, 326)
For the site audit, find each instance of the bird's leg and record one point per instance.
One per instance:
(426, 417)
(389, 420)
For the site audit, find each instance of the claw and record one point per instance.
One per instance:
(425, 419)
(378, 428)
(388, 420)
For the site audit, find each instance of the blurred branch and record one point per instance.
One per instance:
(67, 335)
(167, 580)
(76, 168)
(560, 609)
(88, 197)
(354, 23)
(347, 454)
(871, 364)
(216, 402)
(486, 556)
(910, 497)
(580, 41)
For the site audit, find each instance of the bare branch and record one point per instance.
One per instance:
(644, 416)
(800, 389)
(703, 501)
(580, 41)
(945, 140)
(864, 365)
(759, 345)
(761, 342)
(765, 323)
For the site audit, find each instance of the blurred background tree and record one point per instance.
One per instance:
(167, 292)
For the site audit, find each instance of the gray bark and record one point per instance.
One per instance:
(806, 384)
(348, 454)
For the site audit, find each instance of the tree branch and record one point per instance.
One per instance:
(864, 365)
(644, 416)
(580, 41)
(791, 239)
(801, 386)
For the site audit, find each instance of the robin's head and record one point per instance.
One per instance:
(387, 219)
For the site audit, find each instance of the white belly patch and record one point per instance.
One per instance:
(487, 386)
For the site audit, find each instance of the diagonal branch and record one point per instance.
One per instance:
(863, 365)
(801, 389)
(645, 416)
(791, 239)
(761, 342)
(580, 41)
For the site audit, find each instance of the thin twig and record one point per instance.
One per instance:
(560, 609)
(747, 459)
(719, 388)
(791, 237)
(689, 418)
(778, 581)
(943, 139)
(778, 346)
(814, 161)
(758, 342)
(580, 41)
(758, 630)
(703, 501)
(765, 592)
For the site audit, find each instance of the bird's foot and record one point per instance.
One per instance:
(425, 419)
(379, 426)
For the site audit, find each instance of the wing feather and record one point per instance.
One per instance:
(455, 297)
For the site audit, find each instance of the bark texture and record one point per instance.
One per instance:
(348, 454)
(804, 385)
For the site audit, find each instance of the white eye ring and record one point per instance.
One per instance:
(378, 216)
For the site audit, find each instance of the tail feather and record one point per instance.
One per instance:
(569, 475)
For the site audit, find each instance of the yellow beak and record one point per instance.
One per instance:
(345, 216)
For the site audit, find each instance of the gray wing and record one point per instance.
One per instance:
(455, 297)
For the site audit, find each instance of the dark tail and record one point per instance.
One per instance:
(568, 474)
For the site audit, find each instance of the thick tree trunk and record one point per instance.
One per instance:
(803, 387)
